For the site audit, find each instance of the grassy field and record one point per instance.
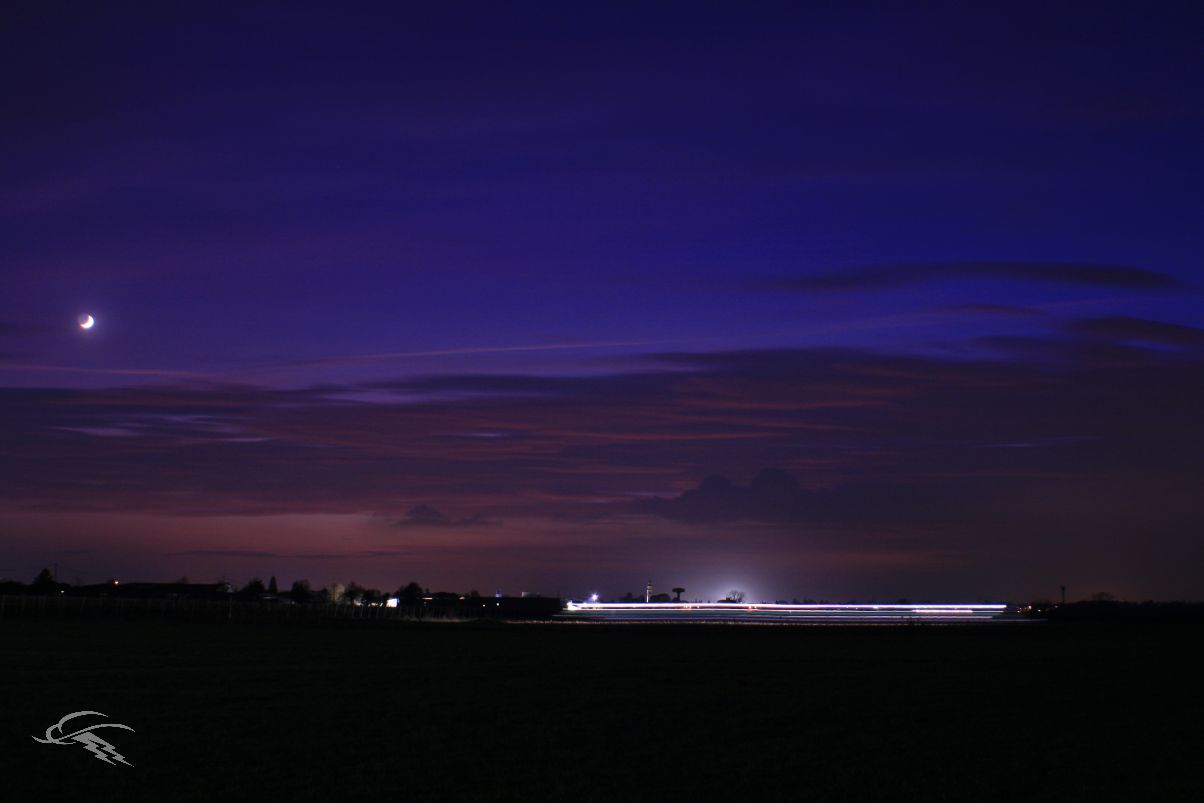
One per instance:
(605, 712)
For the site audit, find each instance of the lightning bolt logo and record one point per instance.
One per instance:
(86, 738)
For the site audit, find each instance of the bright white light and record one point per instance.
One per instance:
(776, 606)
(817, 611)
(593, 597)
(391, 602)
(86, 321)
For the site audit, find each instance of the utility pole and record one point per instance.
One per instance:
(1063, 595)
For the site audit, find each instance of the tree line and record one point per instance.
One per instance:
(300, 592)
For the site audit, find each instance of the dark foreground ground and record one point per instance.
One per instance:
(605, 713)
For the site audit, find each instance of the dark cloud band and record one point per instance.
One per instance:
(908, 273)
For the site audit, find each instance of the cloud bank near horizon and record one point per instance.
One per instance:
(1068, 446)
(1117, 394)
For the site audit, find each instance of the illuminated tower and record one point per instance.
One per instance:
(648, 592)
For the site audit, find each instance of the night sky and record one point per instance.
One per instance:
(834, 301)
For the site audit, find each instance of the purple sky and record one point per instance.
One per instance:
(815, 302)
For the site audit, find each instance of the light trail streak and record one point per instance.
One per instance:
(781, 612)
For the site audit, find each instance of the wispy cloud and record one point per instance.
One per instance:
(1125, 328)
(509, 445)
(388, 356)
(989, 310)
(153, 373)
(427, 516)
(881, 277)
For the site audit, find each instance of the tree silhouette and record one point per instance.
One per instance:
(677, 592)
(272, 589)
(410, 594)
(735, 595)
(300, 592)
(354, 592)
(252, 590)
(43, 583)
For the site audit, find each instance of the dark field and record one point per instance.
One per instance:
(609, 713)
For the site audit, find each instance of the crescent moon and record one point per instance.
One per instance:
(86, 322)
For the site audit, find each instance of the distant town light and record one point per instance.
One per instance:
(593, 597)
